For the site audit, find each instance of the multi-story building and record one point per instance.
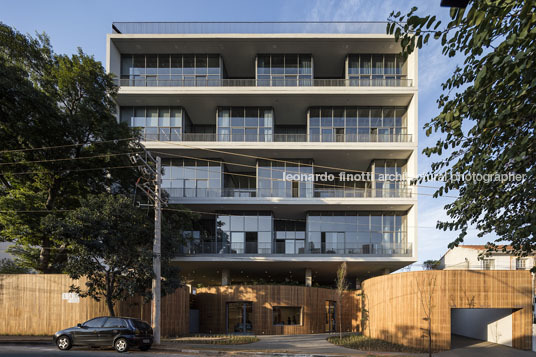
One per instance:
(287, 137)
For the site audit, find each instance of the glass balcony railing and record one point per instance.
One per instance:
(156, 81)
(280, 248)
(286, 138)
(177, 194)
(270, 27)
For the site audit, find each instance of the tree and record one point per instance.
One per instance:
(487, 119)
(8, 266)
(342, 286)
(426, 286)
(431, 264)
(111, 247)
(59, 140)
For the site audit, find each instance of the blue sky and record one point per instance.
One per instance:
(71, 24)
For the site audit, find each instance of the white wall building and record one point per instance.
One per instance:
(467, 257)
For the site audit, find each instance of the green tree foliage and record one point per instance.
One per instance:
(487, 119)
(111, 246)
(8, 266)
(64, 102)
(431, 264)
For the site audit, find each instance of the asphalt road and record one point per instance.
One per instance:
(52, 351)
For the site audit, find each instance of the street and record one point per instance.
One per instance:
(51, 350)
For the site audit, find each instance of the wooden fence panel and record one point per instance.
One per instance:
(32, 304)
(212, 304)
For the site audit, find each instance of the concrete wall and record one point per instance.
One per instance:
(493, 325)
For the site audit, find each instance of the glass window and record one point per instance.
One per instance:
(306, 64)
(97, 322)
(188, 64)
(115, 322)
(201, 64)
(278, 66)
(287, 315)
(365, 64)
(151, 64)
(291, 64)
(213, 63)
(377, 64)
(376, 118)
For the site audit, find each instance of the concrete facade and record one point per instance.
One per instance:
(327, 108)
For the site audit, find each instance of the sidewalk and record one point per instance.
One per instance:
(31, 340)
(275, 345)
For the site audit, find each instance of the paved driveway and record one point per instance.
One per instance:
(466, 347)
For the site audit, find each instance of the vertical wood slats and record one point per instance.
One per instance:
(31, 304)
(396, 313)
(212, 302)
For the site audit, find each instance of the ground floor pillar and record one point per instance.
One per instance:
(308, 277)
(225, 277)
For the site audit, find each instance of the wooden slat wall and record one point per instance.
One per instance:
(396, 312)
(211, 302)
(31, 304)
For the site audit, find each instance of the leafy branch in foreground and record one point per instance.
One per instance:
(487, 121)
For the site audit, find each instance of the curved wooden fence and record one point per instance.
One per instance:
(398, 304)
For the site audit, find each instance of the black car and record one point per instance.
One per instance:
(118, 332)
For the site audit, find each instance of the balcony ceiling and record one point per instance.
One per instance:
(290, 106)
(203, 270)
(239, 52)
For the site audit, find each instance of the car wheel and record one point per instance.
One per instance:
(121, 345)
(64, 343)
(145, 347)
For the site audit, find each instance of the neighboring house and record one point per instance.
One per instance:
(233, 108)
(467, 257)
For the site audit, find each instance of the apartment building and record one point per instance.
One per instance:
(293, 141)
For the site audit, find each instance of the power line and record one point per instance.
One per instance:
(281, 219)
(283, 161)
(64, 146)
(65, 159)
(76, 170)
(278, 179)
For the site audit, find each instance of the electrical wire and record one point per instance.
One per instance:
(65, 159)
(64, 146)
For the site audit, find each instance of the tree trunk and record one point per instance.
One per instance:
(44, 255)
(109, 293)
(340, 316)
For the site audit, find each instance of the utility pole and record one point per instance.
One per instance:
(157, 252)
(155, 195)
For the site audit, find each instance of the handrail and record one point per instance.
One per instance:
(269, 27)
(203, 81)
(283, 138)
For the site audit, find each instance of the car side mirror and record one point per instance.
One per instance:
(79, 325)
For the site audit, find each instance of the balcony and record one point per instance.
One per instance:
(176, 194)
(279, 248)
(283, 138)
(155, 81)
(294, 27)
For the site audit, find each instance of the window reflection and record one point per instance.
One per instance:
(171, 70)
(357, 124)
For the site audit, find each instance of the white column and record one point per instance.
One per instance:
(225, 277)
(308, 277)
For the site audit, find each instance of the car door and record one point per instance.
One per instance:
(88, 333)
(111, 328)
